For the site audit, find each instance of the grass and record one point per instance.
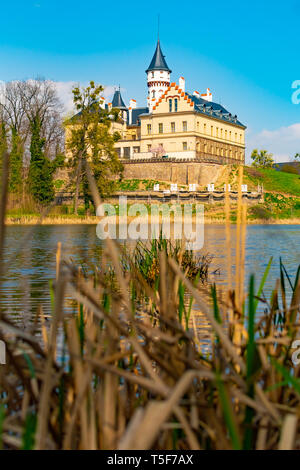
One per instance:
(138, 184)
(274, 181)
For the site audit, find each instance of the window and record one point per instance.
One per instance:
(198, 126)
(236, 137)
(225, 134)
(172, 126)
(152, 74)
(184, 126)
(170, 106)
(240, 138)
(160, 128)
(204, 128)
(149, 147)
(153, 94)
(136, 149)
(126, 152)
(118, 152)
(148, 129)
(176, 104)
(184, 145)
(211, 130)
(229, 135)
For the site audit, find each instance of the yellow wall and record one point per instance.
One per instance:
(197, 126)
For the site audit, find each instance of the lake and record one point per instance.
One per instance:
(28, 274)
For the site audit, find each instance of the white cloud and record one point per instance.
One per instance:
(64, 91)
(284, 142)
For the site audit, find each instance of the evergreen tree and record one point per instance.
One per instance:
(41, 170)
(16, 163)
(3, 142)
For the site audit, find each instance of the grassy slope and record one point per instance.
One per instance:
(274, 181)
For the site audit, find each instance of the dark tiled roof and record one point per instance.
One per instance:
(215, 110)
(158, 61)
(136, 113)
(117, 101)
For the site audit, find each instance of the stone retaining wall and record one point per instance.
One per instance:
(175, 172)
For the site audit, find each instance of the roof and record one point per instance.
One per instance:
(158, 61)
(214, 109)
(136, 112)
(117, 101)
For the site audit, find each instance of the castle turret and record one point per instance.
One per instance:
(158, 77)
(117, 102)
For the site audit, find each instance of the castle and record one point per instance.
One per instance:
(176, 125)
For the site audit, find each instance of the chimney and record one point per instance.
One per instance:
(130, 114)
(197, 94)
(102, 102)
(132, 104)
(207, 96)
(182, 84)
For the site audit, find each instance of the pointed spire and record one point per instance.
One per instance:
(117, 101)
(158, 61)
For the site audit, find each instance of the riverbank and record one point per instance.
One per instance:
(92, 220)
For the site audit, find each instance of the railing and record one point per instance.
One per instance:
(183, 196)
(147, 157)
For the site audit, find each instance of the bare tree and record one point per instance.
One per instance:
(22, 102)
(40, 101)
(12, 107)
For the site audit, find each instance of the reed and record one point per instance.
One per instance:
(128, 371)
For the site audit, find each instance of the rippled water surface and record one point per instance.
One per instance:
(28, 274)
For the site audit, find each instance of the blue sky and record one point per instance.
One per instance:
(246, 52)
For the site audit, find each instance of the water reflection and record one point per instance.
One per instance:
(27, 276)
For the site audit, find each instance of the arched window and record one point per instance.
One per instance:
(176, 104)
(153, 94)
(170, 106)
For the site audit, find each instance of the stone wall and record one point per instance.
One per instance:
(181, 172)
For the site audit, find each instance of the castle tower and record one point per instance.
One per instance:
(158, 77)
(117, 102)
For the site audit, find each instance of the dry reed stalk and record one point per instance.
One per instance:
(58, 258)
(43, 413)
(3, 203)
(206, 310)
(238, 239)
(288, 432)
(228, 234)
(243, 253)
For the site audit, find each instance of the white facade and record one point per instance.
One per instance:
(158, 81)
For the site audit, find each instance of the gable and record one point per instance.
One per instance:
(184, 102)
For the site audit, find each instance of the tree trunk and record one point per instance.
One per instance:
(78, 173)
